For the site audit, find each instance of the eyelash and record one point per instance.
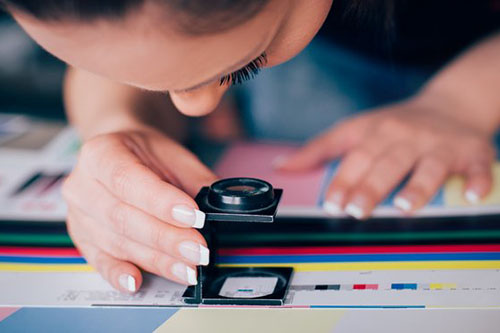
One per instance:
(246, 73)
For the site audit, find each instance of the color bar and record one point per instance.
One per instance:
(294, 250)
(434, 286)
(334, 287)
(39, 251)
(401, 286)
(412, 286)
(360, 266)
(378, 257)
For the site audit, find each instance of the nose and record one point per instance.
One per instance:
(199, 102)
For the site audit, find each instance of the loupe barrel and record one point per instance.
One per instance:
(240, 194)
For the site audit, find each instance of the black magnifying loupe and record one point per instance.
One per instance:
(239, 200)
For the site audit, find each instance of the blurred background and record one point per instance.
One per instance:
(30, 78)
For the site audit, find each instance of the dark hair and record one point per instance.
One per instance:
(194, 16)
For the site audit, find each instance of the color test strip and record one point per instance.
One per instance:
(401, 286)
(254, 251)
(16, 267)
(308, 267)
(359, 236)
(440, 286)
(339, 287)
(318, 258)
(359, 266)
(26, 258)
(57, 251)
(34, 238)
(39, 251)
(42, 260)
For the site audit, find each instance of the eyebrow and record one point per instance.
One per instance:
(240, 64)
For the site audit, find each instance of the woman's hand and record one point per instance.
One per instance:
(420, 137)
(128, 209)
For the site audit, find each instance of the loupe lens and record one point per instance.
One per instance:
(240, 194)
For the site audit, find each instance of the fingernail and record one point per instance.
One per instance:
(332, 208)
(279, 161)
(354, 210)
(403, 204)
(127, 282)
(194, 252)
(185, 273)
(189, 216)
(472, 197)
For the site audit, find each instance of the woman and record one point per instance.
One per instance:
(130, 195)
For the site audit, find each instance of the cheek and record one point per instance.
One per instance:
(298, 31)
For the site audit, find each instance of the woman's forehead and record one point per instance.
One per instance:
(145, 51)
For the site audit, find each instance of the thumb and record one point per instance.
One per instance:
(327, 146)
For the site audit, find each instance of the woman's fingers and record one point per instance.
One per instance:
(120, 274)
(108, 212)
(125, 250)
(384, 174)
(123, 174)
(428, 176)
(478, 180)
(352, 169)
(126, 208)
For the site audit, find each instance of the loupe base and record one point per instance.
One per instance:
(264, 286)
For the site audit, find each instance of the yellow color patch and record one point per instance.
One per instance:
(17, 267)
(241, 320)
(434, 286)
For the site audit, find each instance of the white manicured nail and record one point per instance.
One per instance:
(471, 196)
(402, 203)
(191, 276)
(194, 252)
(189, 216)
(127, 282)
(332, 208)
(354, 210)
(185, 273)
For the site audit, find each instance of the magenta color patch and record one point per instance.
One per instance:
(256, 160)
(5, 312)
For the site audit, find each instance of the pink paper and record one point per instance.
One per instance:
(5, 312)
(255, 160)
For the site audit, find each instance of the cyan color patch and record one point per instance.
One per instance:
(86, 320)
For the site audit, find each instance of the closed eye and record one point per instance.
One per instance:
(246, 73)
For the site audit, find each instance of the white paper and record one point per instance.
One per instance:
(248, 287)
(473, 289)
